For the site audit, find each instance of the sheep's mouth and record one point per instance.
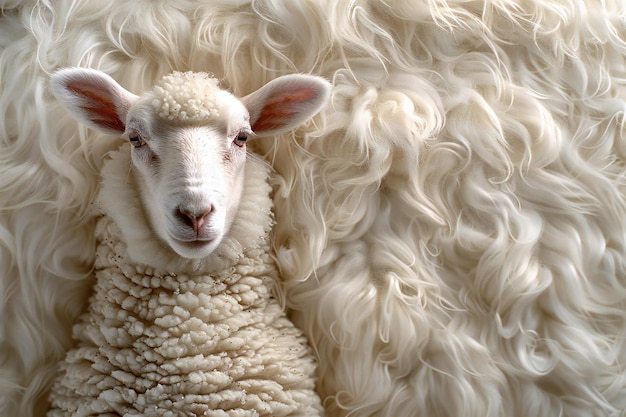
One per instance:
(195, 243)
(193, 248)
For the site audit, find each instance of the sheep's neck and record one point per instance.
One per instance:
(145, 294)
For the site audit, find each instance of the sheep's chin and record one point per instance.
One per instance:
(195, 249)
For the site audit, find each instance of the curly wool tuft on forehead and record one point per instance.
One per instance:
(186, 97)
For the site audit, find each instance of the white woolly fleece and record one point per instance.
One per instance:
(450, 231)
(204, 338)
(186, 97)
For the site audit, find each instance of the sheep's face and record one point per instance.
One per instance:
(191, 172)
(188, 142)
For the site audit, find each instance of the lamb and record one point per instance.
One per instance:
(182, 321)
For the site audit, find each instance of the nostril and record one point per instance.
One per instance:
(193, 220)
(202, 218)
(185, 217)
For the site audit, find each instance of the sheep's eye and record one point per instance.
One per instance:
(135, 139)
(241, 139)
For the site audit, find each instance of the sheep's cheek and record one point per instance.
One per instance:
(145, 160)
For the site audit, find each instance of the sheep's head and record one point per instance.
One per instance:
(188, 140)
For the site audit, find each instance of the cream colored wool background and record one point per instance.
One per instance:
(451, 229)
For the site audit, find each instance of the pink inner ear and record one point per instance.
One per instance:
(100, 108)
(279, 109)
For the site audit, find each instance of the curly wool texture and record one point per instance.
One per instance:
(205, 338)
(451, 232)
(186, 97)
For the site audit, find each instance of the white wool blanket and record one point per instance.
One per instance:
(451, 231)
(176, 337)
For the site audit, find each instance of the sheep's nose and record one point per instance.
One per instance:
(194, 219)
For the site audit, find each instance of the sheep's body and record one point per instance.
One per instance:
(200, 337)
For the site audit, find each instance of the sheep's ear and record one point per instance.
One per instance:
(93, 97)
(286, 102)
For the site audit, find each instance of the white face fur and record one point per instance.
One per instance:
(191, 174)
(189, 147)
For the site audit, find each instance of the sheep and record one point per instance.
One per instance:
(182, 321)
